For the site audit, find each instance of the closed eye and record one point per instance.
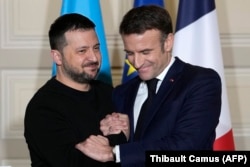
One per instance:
(146, 52)
(129, 54)
(81, 51)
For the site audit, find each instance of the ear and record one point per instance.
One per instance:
(56, 56)
(169, 42)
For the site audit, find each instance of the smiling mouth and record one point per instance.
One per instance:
(92, 64)
(143, 69)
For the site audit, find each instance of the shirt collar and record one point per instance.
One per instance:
(161, 76)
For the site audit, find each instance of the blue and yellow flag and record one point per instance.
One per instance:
(92, 10)
(129, 71)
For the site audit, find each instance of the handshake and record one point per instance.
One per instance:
(98, 147)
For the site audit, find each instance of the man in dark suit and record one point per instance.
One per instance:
(185, 108)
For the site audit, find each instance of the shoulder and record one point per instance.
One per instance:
(193, 74)
(203, 72)
(199, 78)
(48, 89)
(192, 71)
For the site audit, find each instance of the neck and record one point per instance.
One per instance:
(75, 85)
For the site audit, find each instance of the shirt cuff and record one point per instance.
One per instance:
(116, 151)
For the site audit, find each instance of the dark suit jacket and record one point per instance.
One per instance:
(184, 114)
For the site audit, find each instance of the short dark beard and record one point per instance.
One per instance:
(79, 77)
(82, 77)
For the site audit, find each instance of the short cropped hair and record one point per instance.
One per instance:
(65, 23)
(143, 18)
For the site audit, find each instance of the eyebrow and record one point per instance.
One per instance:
(84, 47)
(140, 50)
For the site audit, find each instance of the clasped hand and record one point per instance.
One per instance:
(97, 147)
(114, 124)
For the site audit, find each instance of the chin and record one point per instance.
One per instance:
(92, 77)
(145, 78)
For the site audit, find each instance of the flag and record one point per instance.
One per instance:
(197, 42)
(129, 71)
(92, 10)
(138, 3)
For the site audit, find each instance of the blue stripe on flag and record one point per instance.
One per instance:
(186, 14)
(148, 2)
(92, 10)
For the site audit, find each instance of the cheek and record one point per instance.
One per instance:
(99, 59)
(161, 62)
(131, 59)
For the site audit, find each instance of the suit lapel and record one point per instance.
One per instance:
(172, 77)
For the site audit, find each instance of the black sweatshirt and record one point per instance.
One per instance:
(58, 117)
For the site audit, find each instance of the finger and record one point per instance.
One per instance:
(105, 124)
(115, 115)
(119, 123)
(106, 120)
(92, 140)
(95, 142)
(105, 128)
(102, 140)
(123, 117)
(115, 131)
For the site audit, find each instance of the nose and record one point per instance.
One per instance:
(93, 55)
(138, 61)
